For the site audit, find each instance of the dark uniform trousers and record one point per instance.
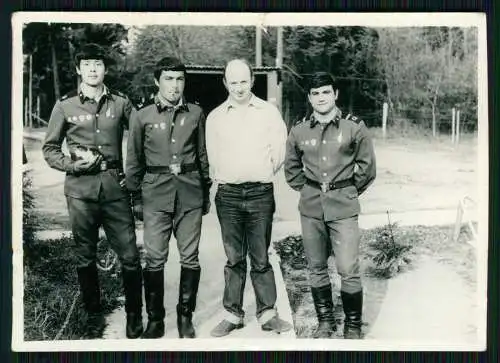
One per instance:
(245, 213)
(159, 223)
(112, 213)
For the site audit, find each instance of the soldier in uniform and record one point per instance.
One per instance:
(167, 174)
(92, 120)
(331, 161)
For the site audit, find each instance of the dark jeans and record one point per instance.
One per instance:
(118, 222)
(342, 237)
(245, 214)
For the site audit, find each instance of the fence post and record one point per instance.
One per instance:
(384, 118)
(38, 108)
(453, 114)
(458, 127)
(25, 123)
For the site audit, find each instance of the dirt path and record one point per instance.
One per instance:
(429, 306)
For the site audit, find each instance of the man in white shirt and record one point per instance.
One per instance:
(246, 138)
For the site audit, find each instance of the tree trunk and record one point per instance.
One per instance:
(433, 120)
(351, 97)
(55, 72)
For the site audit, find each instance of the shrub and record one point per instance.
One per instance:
(30, 217)
(388, 255)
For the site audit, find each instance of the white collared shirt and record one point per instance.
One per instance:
(245, 143)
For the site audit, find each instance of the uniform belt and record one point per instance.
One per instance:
(326, 186)
(113, 164)
(175, 169)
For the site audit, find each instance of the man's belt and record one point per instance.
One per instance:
(326, 186)
(175, 169)
(113, 164)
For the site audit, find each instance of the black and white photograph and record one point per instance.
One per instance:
(254, 181)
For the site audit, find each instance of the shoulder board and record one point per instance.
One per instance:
(353, 118)
(69, 95)
(117, 93)
(300, 120)
(141, 105)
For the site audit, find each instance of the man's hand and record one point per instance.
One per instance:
(86, 166)
(137, 208)
(206, 206)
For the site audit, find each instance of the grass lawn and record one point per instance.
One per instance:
(424, 242)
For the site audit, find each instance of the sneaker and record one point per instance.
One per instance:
(277, 325)
(224, 328)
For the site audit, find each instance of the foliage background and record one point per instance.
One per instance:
(421, 72)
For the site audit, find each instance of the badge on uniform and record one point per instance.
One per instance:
(81, 118)
(313, 142)
(89, 117)
(307, 142)
(163, 125)
(156, 126)
(182, 121)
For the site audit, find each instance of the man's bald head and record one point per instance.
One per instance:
(239, 65)
(238, 79)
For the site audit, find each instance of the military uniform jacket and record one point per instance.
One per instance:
(100, 125)
(162, 136)
(339, 150)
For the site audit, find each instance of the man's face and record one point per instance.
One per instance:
(238, 82)
(92, 71)
(322, 99)
(171, 85)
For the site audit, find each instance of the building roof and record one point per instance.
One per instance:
(197, 68)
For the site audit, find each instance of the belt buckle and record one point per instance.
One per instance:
(104, 165)
(175, 168)
(325, 186)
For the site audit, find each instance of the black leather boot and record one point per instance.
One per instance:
(323, 303)
(154, 290)
(353, 308)
(91, 296)
(132, 286)
(188, 290)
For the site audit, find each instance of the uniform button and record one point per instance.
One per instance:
(324, 158)
(96, 115)
(324, 141)
(173, 141)
(97, 130)
(100, 147)
(325, 174)
(175, 157)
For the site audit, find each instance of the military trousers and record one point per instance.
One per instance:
(115, 216)
(245, 213)
(158, 229)
(342, 237)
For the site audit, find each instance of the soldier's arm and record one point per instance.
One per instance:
(365, 159)
(294, 172)
(54, 138)
(278, 135)
(211, 142)
(202, 152)
(135, 165)
(127, 111)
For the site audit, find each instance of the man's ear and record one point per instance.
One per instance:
(335, 94)
(157, 83)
